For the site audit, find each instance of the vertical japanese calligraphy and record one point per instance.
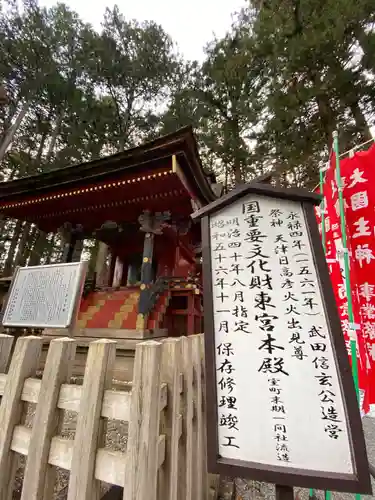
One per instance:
(278, 392)
(44, 296)
(358, 193)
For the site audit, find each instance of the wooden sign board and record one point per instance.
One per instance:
(281, 403)
(45, 296)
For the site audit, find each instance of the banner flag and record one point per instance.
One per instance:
(358, 178)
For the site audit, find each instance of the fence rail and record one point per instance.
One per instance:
(165, 457)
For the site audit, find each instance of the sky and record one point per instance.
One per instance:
(191, 25)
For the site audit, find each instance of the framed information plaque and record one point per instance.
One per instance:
(45, 296)
(281, 403)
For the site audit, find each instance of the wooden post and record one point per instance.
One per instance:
(284, 492)
(101, 265)
(186, 464)
(117, 275)
(171, 421)
(24, 364)
(111, 267)
(148, 249)
(191, 313)
(97, 378)
(56, 372)
(210, 481)
(6, 342)
(200, 472)
(142, 449)
(77, 243)
(146, 279)
(150, 225)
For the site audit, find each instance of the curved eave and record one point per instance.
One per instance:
(121, 200)
(141, 159)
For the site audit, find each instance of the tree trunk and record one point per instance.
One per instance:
(38, 250)
(54, 136)
(20, 256)
(30, 244)
(360, 120)
(226, 169)
(3, 222)
(350, 98)
(237, 172)
(13, 129)
(235, 140)
(51, 248)
(8, 267)
(326, 114)
(366, 44)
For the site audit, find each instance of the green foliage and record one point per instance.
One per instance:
(267, 96)
(90, 93)
(270, 94)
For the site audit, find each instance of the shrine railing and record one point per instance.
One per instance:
(189, 282)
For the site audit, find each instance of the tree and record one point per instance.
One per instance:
(311, 82)
(132, 64)
(267, 96)
(218, 98)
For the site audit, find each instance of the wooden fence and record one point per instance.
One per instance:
(165, 457)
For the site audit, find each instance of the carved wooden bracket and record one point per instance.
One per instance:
(153, 223)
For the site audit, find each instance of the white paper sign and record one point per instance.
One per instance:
(44, 296)
(278, 389)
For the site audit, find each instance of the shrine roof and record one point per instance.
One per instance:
(138, 160)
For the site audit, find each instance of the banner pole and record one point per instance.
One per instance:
(352, 329)
(353, 342)
(322, 208)
(323, 235)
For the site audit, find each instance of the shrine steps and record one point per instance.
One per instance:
(110, 309)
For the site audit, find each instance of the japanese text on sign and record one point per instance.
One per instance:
(279, 396)
(44, 296)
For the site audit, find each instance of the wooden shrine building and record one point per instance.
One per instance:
(137, 204)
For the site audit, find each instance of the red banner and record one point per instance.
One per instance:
(358, 178)
(359, 191)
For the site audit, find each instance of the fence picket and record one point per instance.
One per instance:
(24, 364)
(197, 366)
(171, 418)
(143, 441)
(6, 342)
(164, 410)
(187, 448)
(97, 378)
(207, 480)
(56, 371)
